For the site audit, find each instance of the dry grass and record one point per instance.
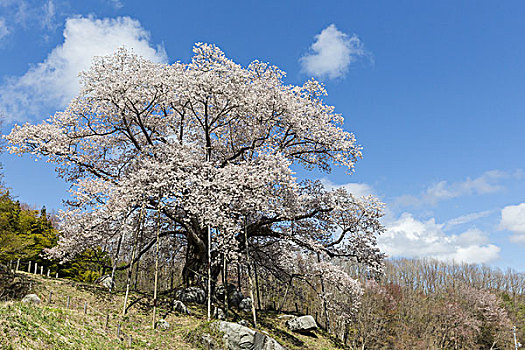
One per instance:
(51, 325)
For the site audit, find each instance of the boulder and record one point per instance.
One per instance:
(302, 324)
(105, 281)
(245, 305)
(163, 324)
(238, 337)
(235, 298)
(32, 299)
(191, 295)
(180, 307)
(218, 313)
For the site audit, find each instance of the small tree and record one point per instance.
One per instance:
(218, 141)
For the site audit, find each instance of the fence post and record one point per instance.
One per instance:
(68, 299)
(48, 272)
(118, 330)
(41, 270)
(85, 307)
(29, 267)
(56, 275)
(130, 340)
(36, 268)
(107, 322)
(49, 301)
(17, 264)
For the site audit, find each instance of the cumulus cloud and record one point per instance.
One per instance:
(357, 189)
(53, 82)
(513, 219)
(489, 182)
(409, 237)
(3, 28)
(332, 53)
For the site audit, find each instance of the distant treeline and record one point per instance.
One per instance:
(428, 304)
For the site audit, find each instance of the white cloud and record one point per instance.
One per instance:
(465, 219)
(117, 4)
(409, 237)
(489, 182)
(52, 83)
(513, 219)
(3, 28)
(357, 189)
(332, 53)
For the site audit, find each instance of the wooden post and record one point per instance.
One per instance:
(107, 322)
(17, 265)
(49, 300)
(36, 268)
(68, 300)
(29, 267)
(307, 310)
(85, 307)
(296, 308)
(156, 272)
(48, 271)
(56, 275)
(128, 281)
(225, 284)
(118, 330)
(254, 313)
(130, 340)
(41, 270)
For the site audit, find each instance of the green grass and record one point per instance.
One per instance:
(51, 326)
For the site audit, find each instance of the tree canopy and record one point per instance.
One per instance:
(207, 144)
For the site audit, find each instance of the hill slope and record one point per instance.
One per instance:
(55, 325)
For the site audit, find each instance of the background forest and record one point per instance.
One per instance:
(414, 304)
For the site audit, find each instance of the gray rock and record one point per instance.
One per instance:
(218, 313)
(163, 324)
(238, 337)
(191, 295)
(180, 307)
(235, 298)
(302, 324)
(32, 299)
(286, 317)
(244, 323)
(245, 304)
(105, 281)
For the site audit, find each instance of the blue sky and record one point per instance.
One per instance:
(432, 90)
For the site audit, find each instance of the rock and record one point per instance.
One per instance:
(244, 323)
(32, 299)
(302, 324)
(286, 317)
(218, 313)
(245, 304)
(235, 298)
(105, 281)
(180, 307)
(191, 295)
(163, 324)
(238, 337)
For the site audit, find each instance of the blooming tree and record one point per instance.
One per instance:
(209, 144)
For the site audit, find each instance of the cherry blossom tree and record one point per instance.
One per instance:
(212, 144)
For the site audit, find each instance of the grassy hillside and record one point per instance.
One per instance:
(51, 325)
